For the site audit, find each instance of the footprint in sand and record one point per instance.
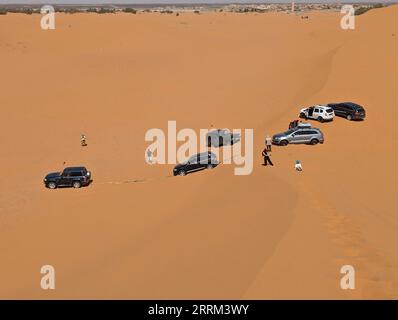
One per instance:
(376, 274)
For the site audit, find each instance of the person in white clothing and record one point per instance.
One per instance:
(298, 166)
(268, 143)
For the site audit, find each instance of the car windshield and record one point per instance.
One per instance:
(329, 110)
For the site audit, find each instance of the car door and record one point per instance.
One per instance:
(312, 134)
(203, 161)
(295, 137)
(194, 163)
(306, 136)
(345, 110)
(315, 113)
(310, 112)
(64, 179)
(75, 175)
(337, 109)
(302, 136)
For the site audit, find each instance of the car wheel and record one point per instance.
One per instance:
(314, 141)
(320, 119)
(209, 166)
(182, 173)
(51, 185)
(76, 184)
(349, 117)
(284, 143)
(302, 115)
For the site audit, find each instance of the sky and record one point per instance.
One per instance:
(167, 1)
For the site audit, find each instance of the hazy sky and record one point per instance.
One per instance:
(168, 1)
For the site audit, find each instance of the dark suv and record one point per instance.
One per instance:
(205, 160)
(71, 177)
(348, 110)
(221, 137)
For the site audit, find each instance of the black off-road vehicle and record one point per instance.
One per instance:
(71, 177)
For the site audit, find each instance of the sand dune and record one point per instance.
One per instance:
(136, 232)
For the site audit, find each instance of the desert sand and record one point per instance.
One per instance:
(269, 235)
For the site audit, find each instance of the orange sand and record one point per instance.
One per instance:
(273, 234)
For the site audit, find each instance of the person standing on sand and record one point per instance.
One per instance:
(266, 157)
(149, 156)
(268, 143)
(294, 124)
(83, 142)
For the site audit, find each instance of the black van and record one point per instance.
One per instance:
(348, 110)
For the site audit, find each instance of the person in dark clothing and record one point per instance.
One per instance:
(294, 124)
(149, 156)
(266, 158)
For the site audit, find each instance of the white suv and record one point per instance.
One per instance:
(318, 112)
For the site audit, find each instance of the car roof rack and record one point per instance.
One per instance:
(304, 125)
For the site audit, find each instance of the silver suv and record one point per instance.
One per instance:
(300, 134)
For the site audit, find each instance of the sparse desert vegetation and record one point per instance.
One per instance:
(363, 9)
(130, 10)
(235, 8)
